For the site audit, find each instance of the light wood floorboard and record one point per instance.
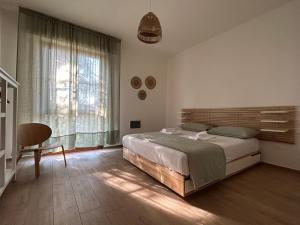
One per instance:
(100, 188)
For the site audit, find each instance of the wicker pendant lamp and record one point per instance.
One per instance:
(149, 30)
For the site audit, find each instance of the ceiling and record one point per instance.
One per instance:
(184, 22)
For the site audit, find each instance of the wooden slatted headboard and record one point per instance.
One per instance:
(276, 123)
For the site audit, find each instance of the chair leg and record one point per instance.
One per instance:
(63, 152)
(40, 155)
(37, 157)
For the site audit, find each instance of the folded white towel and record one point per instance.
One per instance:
(204, 136)
(202, 133)
(193, 137)
(170, 131)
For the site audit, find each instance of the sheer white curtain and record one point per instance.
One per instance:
(69, 80)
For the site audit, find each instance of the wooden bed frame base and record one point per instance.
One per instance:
(180, 184)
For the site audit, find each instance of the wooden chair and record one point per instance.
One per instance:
(30, 134)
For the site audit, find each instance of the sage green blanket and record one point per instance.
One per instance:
(206, 160)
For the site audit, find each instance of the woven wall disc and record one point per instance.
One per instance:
(142, 94)
(136, 82)
(150, 82)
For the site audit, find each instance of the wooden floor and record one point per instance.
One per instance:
(100, 188)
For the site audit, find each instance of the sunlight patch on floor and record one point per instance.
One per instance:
(153, 195)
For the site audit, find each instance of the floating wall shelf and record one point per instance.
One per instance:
(275, 112)
(274, 121)
(274, 130)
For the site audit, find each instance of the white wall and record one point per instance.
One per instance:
(8, 39)
(142, 62)
(8, 60)
(1, 33)
(254, 64)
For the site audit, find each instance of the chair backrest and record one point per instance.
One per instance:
(30, 134)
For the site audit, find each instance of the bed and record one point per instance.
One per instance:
(170, 166)
(165, 162)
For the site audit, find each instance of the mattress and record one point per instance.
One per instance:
(234, 148)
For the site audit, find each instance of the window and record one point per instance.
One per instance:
(70, 80)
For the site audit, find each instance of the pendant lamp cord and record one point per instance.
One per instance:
(150, 5)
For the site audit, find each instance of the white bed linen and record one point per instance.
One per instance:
(234, 148)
